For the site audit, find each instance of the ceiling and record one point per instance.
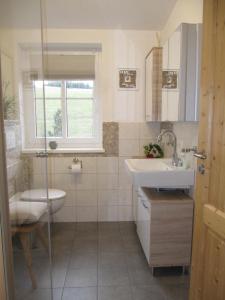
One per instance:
(90, 14)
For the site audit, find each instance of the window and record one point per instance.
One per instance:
(69, 104)
(69, 109)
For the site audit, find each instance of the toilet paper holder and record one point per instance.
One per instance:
(76, 160)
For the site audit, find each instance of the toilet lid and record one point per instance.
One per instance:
(41, 195)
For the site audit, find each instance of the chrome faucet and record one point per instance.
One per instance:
(175, 159)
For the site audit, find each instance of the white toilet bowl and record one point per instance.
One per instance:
(56, 197)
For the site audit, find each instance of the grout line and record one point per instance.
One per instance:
(69, 260)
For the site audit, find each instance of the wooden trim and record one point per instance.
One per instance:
(214, 219)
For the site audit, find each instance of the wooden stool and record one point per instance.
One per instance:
(23, 231)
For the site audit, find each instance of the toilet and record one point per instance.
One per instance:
(56, 197)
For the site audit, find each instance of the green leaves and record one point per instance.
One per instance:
(153, 151)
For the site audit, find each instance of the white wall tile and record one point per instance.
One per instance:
(86, 181)
(88, 164)
(39, 165)
(39, 181)
(108, 213)
(125, 213)
(61, 165)
(125, 197)
(107, 197)
(86, 198)
(107, 165)
(65, 214)
(64, 181)
(122, 166)
(125, 181)
(149, 130)
(86, 213)
(129, 147)
(70, 198)
(107, 181)
(128, 130)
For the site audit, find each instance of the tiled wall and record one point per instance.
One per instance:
(103, 191)
(16, 173)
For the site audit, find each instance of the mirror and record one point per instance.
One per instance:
(177, 77)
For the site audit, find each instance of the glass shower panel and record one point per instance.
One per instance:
(21, 53)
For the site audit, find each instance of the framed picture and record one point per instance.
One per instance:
(128, 79)
(170, 79)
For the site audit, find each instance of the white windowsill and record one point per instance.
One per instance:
(65, 150)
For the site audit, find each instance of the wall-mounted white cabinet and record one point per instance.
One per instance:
(178, 98)
(181, 73)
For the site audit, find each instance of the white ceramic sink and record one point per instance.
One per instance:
(159, 173)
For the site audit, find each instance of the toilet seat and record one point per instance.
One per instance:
(41, 195)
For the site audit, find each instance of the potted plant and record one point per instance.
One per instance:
(153, 151)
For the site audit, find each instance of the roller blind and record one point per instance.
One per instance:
(69, 66)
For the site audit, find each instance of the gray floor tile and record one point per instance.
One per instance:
(67, 236)
(132, 244)
(109, 230)
(88, 235)
(87, 227)
(115, 293)
(62, 227)
(89, 254)
(87, 244)
(174, 280)
(81, 260)
(43, 294)
(148, 293)
(111, 259)
(141, 277)
(81, 278)
(180, 292)
(43, 277)
(113, 276)
(136, 261)
(89, 293)
(110, 245)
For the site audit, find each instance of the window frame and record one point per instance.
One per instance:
(30, 141)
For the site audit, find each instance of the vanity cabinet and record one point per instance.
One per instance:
(164, 227)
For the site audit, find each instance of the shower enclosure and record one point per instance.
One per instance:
(25, 228)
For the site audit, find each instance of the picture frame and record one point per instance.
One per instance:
(128, 79)
(170, 79)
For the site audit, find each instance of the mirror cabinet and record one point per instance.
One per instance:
(173, 75)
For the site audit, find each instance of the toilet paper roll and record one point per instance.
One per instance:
(76, 168)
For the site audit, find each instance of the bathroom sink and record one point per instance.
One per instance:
(159, 173)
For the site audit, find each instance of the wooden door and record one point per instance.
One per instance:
(208, 257)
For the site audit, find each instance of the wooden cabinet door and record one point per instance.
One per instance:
(208, 257)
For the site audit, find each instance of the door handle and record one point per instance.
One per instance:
(200, 155)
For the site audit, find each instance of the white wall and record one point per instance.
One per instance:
(120, 49)
(184, 11)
